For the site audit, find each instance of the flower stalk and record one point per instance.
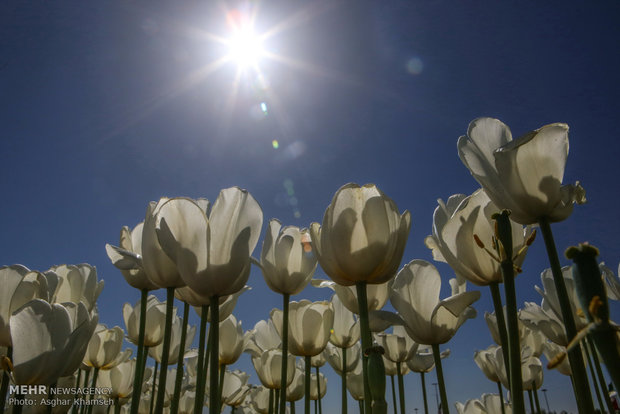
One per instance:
(423, 381)
(580, 378)
(307, 384)
(214, 401)
(501, 325)
(161, 391)
(500, 391)
(599, 373)
(366, 337)
(283, 376)
(200, 369)
(401, 387)
(393, 394)
(318, 390)
(440, 380)
(174, 405)
(139, 374)
(504, 236)
(344, 408)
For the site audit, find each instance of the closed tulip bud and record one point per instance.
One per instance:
(333, 355)
(268, 366)
(78, 284)
(362, 237)
(346, 330)
(155, 321)
(231, 340)
(310, 325)
(118, 379)
(104, 348)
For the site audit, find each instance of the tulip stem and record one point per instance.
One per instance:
(583, 395)
(440, 380)
(5, 381)
(599, 373)
(361, 404)
(307, 384)
(529, 395)
(86, 377)
(393, 394)
(424, 392)
(270, 406)
(93, 385)
(536, 402)
(597, 388)
(153, 387)
(17, 409)
(161, 391)
(77, 385)
(214, 403)
(51, 396)
(291, 405)
(117, 406)
(500, 391)
(401, 388)
(504, 236)
(174, 404)
(221, 384)
(318, 390)
(501, 325)
(366, 337)
(344, 381)
(139, 374)
(200, 369)
(283, 374)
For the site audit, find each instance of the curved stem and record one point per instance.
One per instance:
(599, 373)
(283, 374)
(583, 396)
(366, 337)
(442, 385)
(424, 392)
(307, 385)
(5, 381)
(161, 391)
(174, 404)
(200, 371)
(500, 391)
(344, 380)
(393, 394)
(401, 388)
(501, 325)
(214, 401)
(139, 373)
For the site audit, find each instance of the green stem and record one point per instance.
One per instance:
(151, 406)
(93, 385)
(316, 406)
(17, 409)
(514, 348)
(442, 385)
(529, 395)
(307, 385)
(424, 392)
(501, 325)
(5, 381)
(276, 401)
(291, 405)
(214, 401)
(200, 371)
(536, 402)
(583, 396)
(393, 394)
(139, 373)
(270, 406)
(597, 388)
(222, 369)
(284, 372)
(117, 406)
(161, 391)
(51, 396)
(86, 377)
(501, 396)
(401, 388)
(361, 404)
(174, 404)
(366, 337)
(318, 389)
(599, 373)
(344, 380)
(77, 385)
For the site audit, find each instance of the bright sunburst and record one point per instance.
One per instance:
(245, 47)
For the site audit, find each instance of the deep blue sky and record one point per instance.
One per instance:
(108, 105)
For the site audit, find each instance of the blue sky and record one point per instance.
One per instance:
(108, 105)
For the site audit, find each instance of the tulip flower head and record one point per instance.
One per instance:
(155, 320)
(362, 238)
(525, 175)
(427, 319)
(104, 348)
(423, 360)
(487, 404)
(456, 223)
(310, 325)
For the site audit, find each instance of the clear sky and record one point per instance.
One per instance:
(106, 105)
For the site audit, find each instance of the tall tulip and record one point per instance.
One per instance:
(424, 362)
(429, 320)
(489, 364)
(104, 349)
(211, 250)
(49, 340)
(287, 263)
(505, 170)
(361, 241)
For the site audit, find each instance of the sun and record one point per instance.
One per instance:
(245, 47)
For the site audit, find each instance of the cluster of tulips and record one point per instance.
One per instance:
(202, 255)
